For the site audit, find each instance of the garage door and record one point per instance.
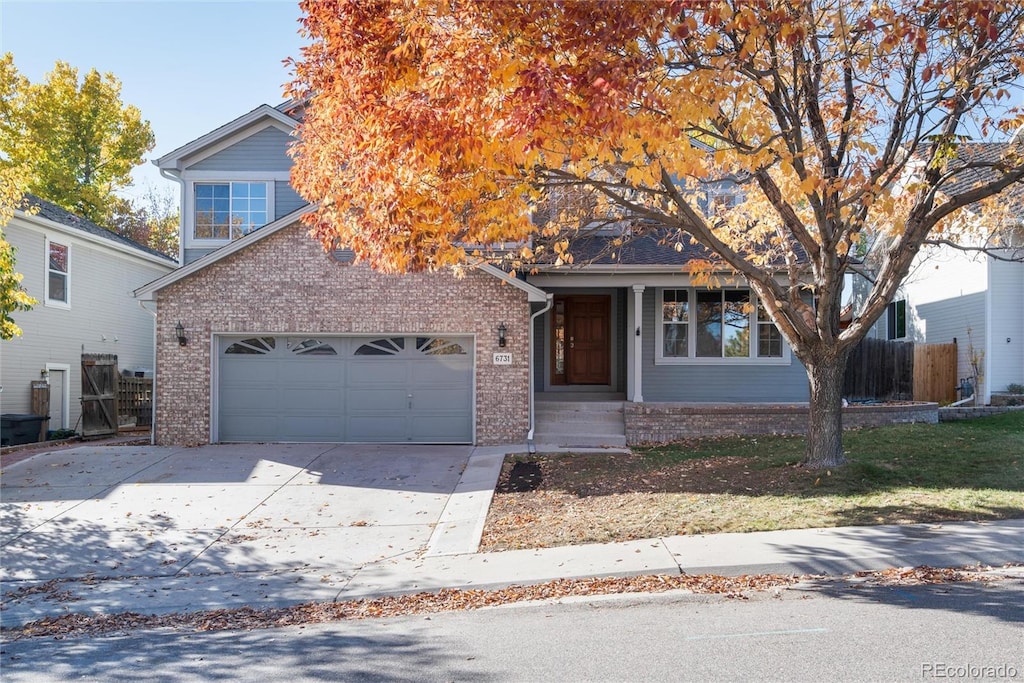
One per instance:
(394, 389)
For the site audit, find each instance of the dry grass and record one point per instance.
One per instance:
(897, 475)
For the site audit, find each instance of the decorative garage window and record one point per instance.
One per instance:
(254, 346)
(390, 346)
(311, 347)
(715, 326)
(437, 346)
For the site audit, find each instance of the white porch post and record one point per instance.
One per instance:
(635, 346)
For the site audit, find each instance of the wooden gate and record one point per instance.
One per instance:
(99, 394)
(935, 372)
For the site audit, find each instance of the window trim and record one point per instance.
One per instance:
(691, 359)
(47, 301)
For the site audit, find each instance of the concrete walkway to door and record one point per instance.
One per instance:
(154, 529)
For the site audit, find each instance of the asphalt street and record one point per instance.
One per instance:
(830, 632)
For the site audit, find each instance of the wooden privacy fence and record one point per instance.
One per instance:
(901, 371)
(135, 401)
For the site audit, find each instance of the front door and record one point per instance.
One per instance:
(586, 339)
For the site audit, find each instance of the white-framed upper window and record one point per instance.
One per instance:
(715, 326)
(58, 270)
(229, 210)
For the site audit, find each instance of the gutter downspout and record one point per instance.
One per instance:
(176, 177)
(529, 435)
(152, 402)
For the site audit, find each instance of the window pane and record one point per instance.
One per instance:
(769, 341)
(204, 191)
(258, 205)
(675, 305)
(221, 191)
(258, 190)
(676, 343)
(240, 189)
(58, 287)
(58, 257)
(709, 324)
(737, 324)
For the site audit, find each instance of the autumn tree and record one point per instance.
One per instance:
(435, 124)
(152, 220)
(72, 135)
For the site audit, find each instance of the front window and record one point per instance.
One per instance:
(706, 323)
(229, 210)
(57, 273)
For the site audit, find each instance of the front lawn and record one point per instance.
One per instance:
(969, 470)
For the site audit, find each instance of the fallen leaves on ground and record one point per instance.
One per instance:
(451, 600)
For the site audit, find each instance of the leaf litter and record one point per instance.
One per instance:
(452, 600)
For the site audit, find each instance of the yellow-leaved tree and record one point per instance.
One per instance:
(430, 125)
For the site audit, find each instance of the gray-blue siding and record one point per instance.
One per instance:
(265, 151)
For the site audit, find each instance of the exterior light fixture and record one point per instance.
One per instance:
(179, 332)
(45, 374)
(502, 332)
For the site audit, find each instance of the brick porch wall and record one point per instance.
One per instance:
(665, 422)
(287, 284)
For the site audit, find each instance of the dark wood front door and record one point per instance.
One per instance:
(587, 336)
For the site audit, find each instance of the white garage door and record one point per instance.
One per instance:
(408, 389)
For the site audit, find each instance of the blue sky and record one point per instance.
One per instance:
(188, 65)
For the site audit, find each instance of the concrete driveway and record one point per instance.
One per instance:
(119, 512)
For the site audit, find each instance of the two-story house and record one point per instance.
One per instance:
(82, 276)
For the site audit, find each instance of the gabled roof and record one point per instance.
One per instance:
(173, 160)
(35, 207)
(534, 294)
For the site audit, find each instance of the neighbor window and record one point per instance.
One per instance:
(229, 210)
(57, 273)
(897, 319)
(703, 323)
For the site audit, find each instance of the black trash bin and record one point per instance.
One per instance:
(16, 429)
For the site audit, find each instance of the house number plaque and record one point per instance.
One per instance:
(503, 358)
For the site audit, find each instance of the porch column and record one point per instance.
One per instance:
(635, 346)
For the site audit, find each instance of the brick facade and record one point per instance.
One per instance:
(285, 283)
(666, 422)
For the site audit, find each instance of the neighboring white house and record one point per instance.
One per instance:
(972, 297)
(82, 277)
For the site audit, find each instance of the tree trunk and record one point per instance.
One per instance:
(825, 424)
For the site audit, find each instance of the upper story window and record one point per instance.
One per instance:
(57, 274)
(704, 324)
(896, 317)
(229, 210)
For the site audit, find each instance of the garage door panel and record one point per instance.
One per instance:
(442, 428)
(326, 401)
(447, 400)
(312, 428)
(381, 429)
(362, 400)
(378, 372)
(338, 389)
(248, 372)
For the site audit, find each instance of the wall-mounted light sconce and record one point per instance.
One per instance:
(502, 332)
(638, 331)
(179, 332)
(45, 374)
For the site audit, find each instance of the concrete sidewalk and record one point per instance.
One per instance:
(450, 561)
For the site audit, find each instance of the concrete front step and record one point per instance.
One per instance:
(580, 440)
(579, 406)
(579, 426)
